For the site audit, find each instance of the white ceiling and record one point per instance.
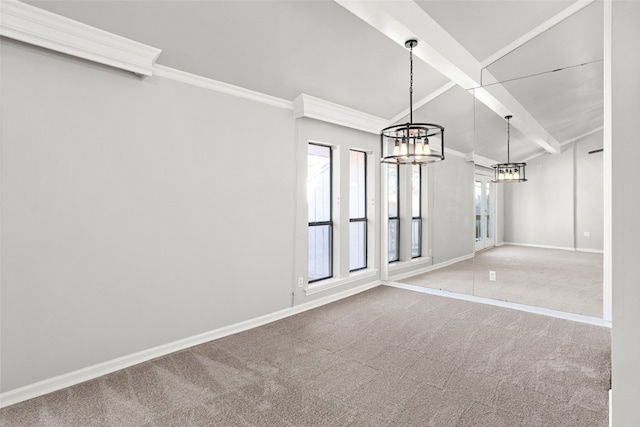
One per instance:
(323, 49)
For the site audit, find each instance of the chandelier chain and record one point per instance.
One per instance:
(411, 84)
(508, 138)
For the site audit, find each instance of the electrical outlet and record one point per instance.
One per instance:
(587, 234)
(492, 276)
(300, 282)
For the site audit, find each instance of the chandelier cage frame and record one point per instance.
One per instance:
(505, 173)
(411, 141)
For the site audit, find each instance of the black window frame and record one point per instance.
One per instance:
(329, 222)
(417, 218)
(363, 219)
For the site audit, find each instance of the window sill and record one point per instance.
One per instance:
(398, 265)
(354, 277)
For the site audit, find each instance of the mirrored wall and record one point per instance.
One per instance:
(539, 242)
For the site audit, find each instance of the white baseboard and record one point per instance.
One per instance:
(562, 248)
(512, 305)
(594, 251)
(81, 375)
(429, 268)
(610, 417)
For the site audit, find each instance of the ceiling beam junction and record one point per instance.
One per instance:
(402, 20)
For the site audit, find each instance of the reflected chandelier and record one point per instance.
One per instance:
(509, 172)
(409, 143)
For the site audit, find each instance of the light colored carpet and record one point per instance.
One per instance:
(550, 278)
(385, 357)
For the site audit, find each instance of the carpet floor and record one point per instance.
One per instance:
(384, 357)
(550, 278)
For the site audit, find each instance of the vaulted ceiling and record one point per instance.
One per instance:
(352, 53)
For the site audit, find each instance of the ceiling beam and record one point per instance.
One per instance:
(433, 95)
(404, 19)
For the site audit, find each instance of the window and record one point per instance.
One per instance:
(394, 213)
(319, 199)
(357, 210)
(416, 211)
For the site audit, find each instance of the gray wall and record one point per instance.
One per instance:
(540, 211)
(452, 208)
(562, 199)
(130, 212)
(625, 207)
(589, 195)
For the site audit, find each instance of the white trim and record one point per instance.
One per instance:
(553, 21)
(533, 156)
(478, 160)
(66, 380)
(568, 141)
(325, 285)
(610, 409)
(512, 305)
(529, 245)
(315, 108)
(607, 287)
(30, 24)
(448, 151)
(594, 251)
(452, 152)
(563, 248)
(433, 95)
(399, 266)
(218, 86)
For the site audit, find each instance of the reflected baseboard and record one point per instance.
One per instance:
(505, 304)
(396, 273)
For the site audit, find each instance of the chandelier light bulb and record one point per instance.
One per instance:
(396, 148)
(403, 148)
(419, 148)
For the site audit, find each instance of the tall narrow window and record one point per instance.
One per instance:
(319, 198)
(394, 213)
(416, 211)
(357, 210)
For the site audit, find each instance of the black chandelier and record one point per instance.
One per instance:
(409, 143)
(509, 172)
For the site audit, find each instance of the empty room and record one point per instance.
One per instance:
(319, 213)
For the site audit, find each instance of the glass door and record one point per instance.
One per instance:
(484, 212)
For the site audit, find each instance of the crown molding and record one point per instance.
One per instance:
(218, 86)
(315, 108)
(30, 24)
(471, 156)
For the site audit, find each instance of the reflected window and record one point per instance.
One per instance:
(478, 202)
(489, 232)
(394, 213)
